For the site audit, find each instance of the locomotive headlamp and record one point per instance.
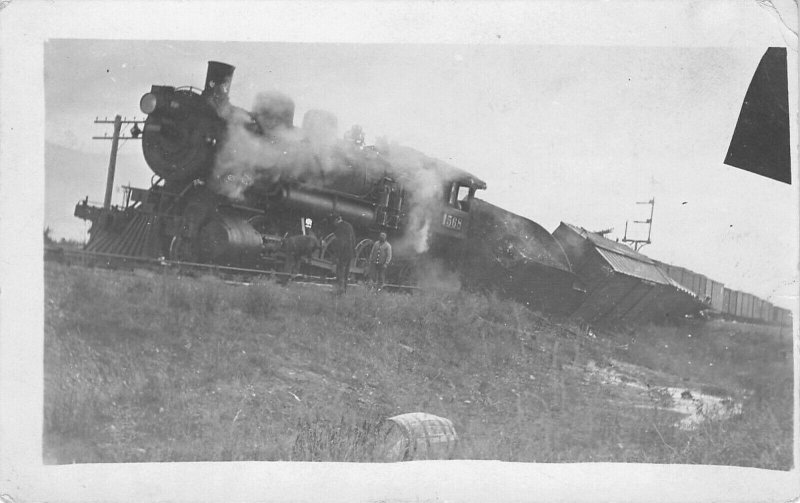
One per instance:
(148, 103)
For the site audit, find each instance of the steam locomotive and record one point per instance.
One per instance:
(230, 185)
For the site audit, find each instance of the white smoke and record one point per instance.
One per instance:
(421, 243)
(424, 183)
(247, 158)
(315, 152)
(433, 274)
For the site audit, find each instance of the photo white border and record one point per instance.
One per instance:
(25, 26)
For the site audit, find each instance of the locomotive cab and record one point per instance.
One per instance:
(451, 218)
(458, 194)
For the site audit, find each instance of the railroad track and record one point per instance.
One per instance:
(239, 275)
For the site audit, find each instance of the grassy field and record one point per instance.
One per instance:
(155, 367)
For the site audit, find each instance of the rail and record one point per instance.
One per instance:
(113, 260)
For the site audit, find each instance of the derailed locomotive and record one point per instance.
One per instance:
(230, 185)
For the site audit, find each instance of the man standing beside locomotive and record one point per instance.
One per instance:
(344, 246)
(379, 259)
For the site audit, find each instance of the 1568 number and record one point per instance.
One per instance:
(452, 222)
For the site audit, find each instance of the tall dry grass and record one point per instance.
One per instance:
(157, 367)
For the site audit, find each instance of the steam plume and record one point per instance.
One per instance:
(263, 147)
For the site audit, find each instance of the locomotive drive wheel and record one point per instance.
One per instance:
(402, 273)
(361, 261)
(326, 251)
(180, 250)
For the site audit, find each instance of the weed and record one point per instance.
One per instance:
(258, 299)
(320, 439)
(209, 296)
(140, 288)
(176, 293)
(85, 288)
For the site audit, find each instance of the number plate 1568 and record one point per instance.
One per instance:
(452, 222)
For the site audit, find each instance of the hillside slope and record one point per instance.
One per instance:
(155, 367)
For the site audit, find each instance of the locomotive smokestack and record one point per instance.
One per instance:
(218, 82)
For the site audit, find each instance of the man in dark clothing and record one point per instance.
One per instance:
(379, 259)
(297, 247)
(344, 247)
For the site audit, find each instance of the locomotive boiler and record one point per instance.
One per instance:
(230, 185)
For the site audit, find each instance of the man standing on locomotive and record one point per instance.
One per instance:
(379, 259)
(344, 246)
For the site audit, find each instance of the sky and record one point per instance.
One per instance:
(569, 133)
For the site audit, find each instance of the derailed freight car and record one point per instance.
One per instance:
(520, 259)
(621, 284)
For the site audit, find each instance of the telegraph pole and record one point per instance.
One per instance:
(115, 138)
(639, 243)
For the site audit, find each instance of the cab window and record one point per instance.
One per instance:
(459, 195)
(464, 197)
